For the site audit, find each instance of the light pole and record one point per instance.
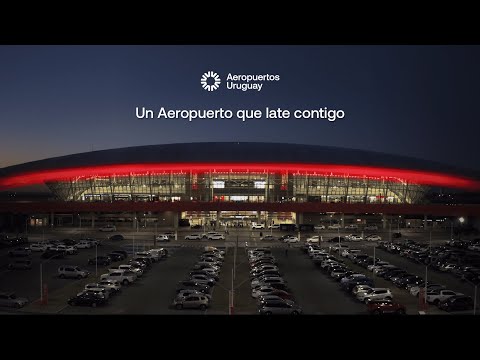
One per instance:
(451, 229)
(96, 258)
(475, 301)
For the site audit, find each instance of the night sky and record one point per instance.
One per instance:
(419, 101)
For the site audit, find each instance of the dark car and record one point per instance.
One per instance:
(69, 242)
(336, 239)
(53, 254)
(19, 252)
(116, 256)
(196, 226)
(380, 307)
(190, 284)
(100, 260)
(116, 237)
(88, 299)
(349, 285)
(23, 264)
(201, 272)
(457, 303)
(123, 252)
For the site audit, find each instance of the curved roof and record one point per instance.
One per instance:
(271, 156)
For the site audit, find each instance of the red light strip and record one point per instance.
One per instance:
(378, 173)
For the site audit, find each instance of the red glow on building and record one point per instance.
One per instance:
(375, 173)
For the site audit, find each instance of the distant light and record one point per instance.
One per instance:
(462, 220)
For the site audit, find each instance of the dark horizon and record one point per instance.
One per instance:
(415, 101)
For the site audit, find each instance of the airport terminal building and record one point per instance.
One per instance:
(227, 182)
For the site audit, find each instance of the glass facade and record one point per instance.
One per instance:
(238, 187)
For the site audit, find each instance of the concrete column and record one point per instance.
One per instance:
(342, 220)
(135, 219)
(93, 220)
(299, 218)
(176, 216)
(52, 219)
(384, 221)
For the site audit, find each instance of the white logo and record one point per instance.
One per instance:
(210, 75)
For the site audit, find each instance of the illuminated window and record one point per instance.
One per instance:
(259, 184)
(218, 184)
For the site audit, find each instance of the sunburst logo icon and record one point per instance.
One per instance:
(210, 81)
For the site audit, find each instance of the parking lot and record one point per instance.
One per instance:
(154, 292)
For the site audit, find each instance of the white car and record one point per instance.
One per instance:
(126, 267)
(319, 227)
(108, 228)
(351, 227)
(360, 288)
(68, 249)
(84, 245)
(162, 238)
(356, 238)
(186, 292)
(258, 226)
(274, 226)
(216, 237)
(98, 288)
(291, 239)
(334, 227)
(194, 237)
(122, 276)
(371, 227)
(415, 290)
(113, 285)
(93, 242)
(71, 271)
(374, 294)
(373, 238)
(437, 296)
(38, 247)
(313, 239)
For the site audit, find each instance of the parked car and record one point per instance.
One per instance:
(193, 237)
(100, 260)
(21, 264)
(374, 294)
(275, 307)
(191, 302)
(124, 277)
(112, 285)
(38, 247)
(53, 254)
(115, 256)
(108, 228)
(258, 226)
(371, 228)
(84, 245)
(162, 238)
(98, 289)
(87, 298)
(373, 238)
(216, 237)
(379, 307)
(9, 299)
(187, 293)
(69, 271)
(116, 237)
(20, 252)
(334, 227)
(457, 302)
(437, 296)
(291, 239)
(319, 227)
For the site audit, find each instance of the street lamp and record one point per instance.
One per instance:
(461, 219)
